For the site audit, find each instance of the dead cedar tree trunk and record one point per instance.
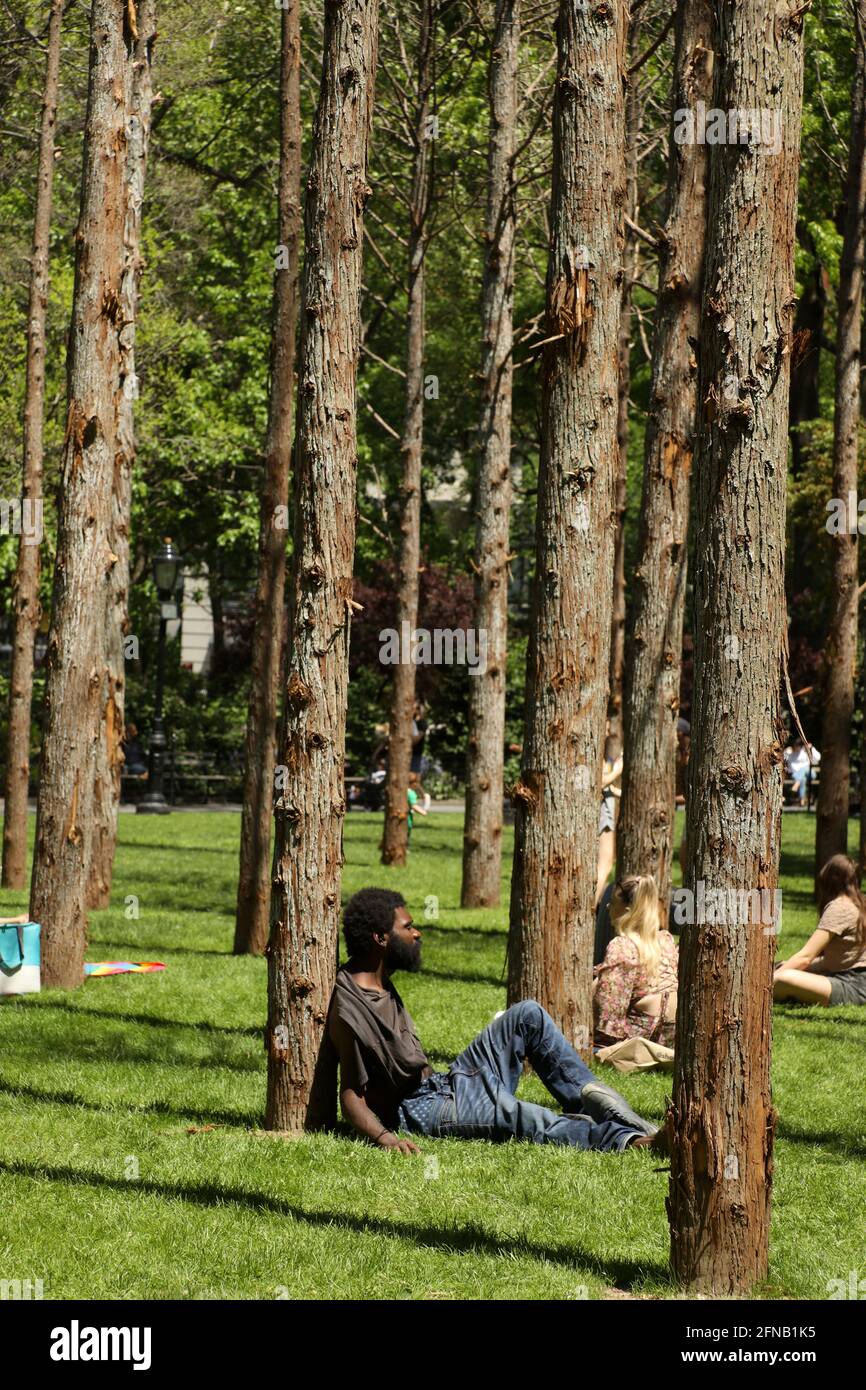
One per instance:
(25, 604)
(482, 835)
(85, 560)
(831, 835)
(654, 649)
(557, 798)
(723, 1118)
(254, 890)
(308, 857)
(395, 836)
(109, 752)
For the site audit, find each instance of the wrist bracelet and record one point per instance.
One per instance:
(379, 1135)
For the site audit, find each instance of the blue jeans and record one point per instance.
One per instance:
(475, 1099)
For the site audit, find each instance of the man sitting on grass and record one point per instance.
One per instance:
(387, 1084)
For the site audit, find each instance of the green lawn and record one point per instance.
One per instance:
(131, 1165)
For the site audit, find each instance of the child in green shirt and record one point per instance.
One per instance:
(413, 795)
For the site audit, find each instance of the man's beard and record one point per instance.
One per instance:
(403, 955)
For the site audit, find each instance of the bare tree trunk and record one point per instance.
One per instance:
(805, 389)
(831, 835)
(254, 893)
(723, 1116)
(645, 828)
(305, 903)
(83, 570)
(557, 798)
(396, 832)
(806, 357)
(620, 496)
(482, 835)
(109, 752)
(26, 609)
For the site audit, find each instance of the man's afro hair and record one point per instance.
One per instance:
(369, 912)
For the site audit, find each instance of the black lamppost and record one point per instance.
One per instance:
(167, 576)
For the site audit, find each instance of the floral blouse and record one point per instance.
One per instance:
(621, 980)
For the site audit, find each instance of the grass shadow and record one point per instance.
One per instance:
(136, 845)
(149, 1020)
(113, 944)
(826, 1138)
(816, 1013)
(469, 1239)
(230, 1118)
(465, 978)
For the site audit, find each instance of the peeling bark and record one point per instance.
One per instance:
(85, 560)
(652, 686)
(556, 826)
(482, 834)
(26, 609)
(254, 894)
(305, 894)
(723, 1118)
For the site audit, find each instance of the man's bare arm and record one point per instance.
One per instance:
(359, 1115)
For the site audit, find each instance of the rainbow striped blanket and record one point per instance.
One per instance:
(123, 967)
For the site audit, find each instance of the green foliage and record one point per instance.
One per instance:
(204, 324)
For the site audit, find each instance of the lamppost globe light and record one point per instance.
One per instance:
(167, 570)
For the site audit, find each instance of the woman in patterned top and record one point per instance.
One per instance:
(831, 967)
(635, 990)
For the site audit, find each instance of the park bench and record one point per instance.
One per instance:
(372, 794)
(191, 775)
(348, 783)
(133, 785)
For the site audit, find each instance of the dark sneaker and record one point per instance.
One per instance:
(604, 1103)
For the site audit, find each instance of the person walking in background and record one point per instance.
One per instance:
(610, 793)
(800, 758)
(419, 800)
(635, 990)
(831, 967)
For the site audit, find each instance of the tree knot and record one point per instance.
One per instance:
(298, 694)
(300, 986)
(521, 794)
(735, 780)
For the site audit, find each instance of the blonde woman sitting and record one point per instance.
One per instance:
(635, 990)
